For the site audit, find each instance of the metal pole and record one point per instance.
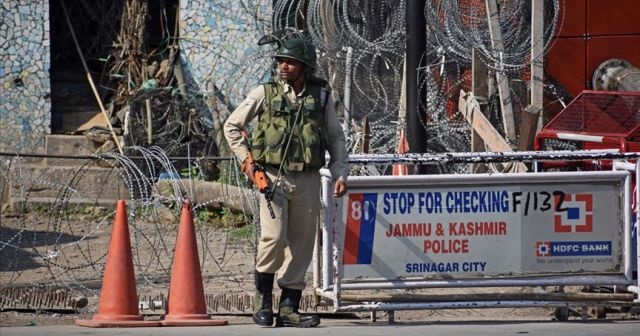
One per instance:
(381, 306)
(327, 229)
(416, 41)
(427, 158)
(585, 280)
(633, 168)
(506, 107)
(347, 93)
(616, 75)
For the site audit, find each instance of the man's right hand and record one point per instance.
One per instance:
(248, 167)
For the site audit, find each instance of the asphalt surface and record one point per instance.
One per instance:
(363, 328)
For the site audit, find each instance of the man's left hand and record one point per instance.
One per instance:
(340, 188)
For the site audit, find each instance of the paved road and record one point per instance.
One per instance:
(364, 328)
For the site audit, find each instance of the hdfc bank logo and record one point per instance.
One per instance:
(543, 249)
(577, 215)
(574, 248)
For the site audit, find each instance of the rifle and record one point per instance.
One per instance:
(261, 182)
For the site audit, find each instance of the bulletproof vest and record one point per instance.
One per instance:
(282, 120)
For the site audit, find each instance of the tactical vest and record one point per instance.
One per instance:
(282, 120)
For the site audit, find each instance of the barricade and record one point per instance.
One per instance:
(483, 230)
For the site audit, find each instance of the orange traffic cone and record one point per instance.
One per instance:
(403, 147)
(186, 305)
(118, 305)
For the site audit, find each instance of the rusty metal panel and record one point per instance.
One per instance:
(613, 17)
(566, 63)
(574, 23)
(602, 48)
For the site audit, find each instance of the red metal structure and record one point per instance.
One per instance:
(593, 31)
(598, 120)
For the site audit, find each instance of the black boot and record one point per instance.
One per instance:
(288, 315)
(263, 306)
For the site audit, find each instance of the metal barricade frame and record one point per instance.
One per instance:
(328, 267)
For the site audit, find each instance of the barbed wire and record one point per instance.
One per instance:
(68, 237)
(458, 27)
(375, 31)
(59, 231)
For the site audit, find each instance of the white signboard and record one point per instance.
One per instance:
(490, 228)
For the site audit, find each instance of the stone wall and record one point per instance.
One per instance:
(25, 110)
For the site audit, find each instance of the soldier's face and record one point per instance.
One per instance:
(289, 69)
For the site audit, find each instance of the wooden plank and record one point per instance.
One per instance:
(468, 106)
(147, 103)
(528, 127)
(479, 73)
(480, 88)
(537, 59)
(503, 81)
(366, 136)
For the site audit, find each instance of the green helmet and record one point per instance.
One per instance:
(298, 49)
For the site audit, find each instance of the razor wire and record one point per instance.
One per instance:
(457, 27)
(58, 231)
(68, 236)
(375, 31)
(454, 29)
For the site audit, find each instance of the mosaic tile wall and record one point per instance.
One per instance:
(218, 47)
(218, 41)
(25, 110)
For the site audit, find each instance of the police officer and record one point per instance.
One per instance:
(296, 124)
